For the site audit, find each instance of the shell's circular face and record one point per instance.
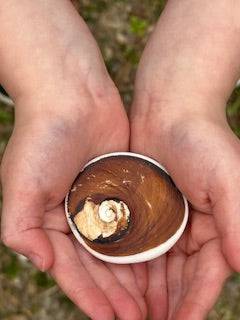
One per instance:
(124, 204)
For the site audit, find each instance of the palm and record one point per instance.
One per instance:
(182, 275)
(44, 157)
(87, 280)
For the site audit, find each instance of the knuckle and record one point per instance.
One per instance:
(9, 240)
(77, 292)
(13, 235)
(26, 223)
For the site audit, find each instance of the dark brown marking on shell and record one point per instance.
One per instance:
(156, 205)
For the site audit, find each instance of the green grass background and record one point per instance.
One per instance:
(121, 28)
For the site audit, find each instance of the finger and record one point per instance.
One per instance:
(188, 273)
(76, 281)
(211, 273)
(226, 210)
(141, 275)
(126, 277)
(122, 302)
(56, 220)
(175, 265)
(21, 227)
(156, 294)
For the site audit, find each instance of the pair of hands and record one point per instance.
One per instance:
(51, 143)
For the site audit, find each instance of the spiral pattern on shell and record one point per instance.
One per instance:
(156, 206)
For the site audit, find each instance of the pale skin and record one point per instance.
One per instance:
(185, 76)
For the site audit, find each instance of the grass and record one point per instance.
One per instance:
(121, 28)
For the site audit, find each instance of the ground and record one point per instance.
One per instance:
(121, 28)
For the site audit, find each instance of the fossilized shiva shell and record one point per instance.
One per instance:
(124, 208)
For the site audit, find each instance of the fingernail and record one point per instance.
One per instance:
(36, 260)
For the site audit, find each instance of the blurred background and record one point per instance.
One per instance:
(121, 28)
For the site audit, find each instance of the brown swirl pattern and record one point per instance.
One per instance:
(156, 205)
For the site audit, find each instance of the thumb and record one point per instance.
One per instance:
(22, 217)
(226, 209)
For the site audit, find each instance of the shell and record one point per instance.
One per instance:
(158, 211)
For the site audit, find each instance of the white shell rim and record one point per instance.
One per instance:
(142, 256)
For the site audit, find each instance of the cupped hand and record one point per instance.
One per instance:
(202, 155)
(185, 282)
(178, 117)
(67, 112)
(43, 157)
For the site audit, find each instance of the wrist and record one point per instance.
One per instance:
(168, 122)
(40, 47)
(76, 101)
(190, 69)
(94, 119)
(168, 108)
